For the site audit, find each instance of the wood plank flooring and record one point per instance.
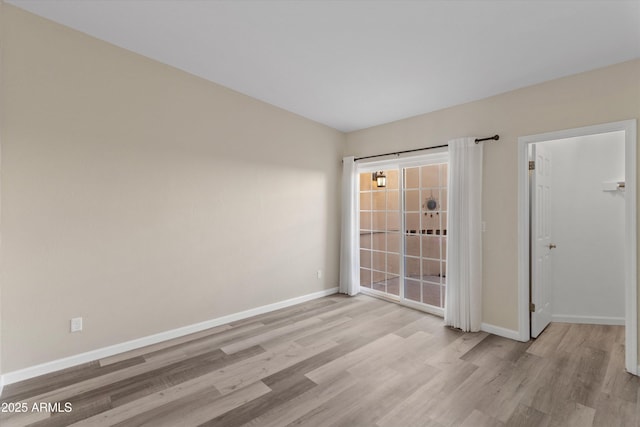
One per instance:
(340, 361)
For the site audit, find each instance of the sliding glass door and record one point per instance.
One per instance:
(403, 230)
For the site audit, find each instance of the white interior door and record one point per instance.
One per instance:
(541, 244)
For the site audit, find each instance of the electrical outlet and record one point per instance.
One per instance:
(319, 274)
(76, 324)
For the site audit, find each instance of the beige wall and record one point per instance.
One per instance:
(605, 95)
(143, 198)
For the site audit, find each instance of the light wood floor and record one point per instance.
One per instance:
(340, 361)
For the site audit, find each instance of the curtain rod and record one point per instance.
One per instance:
(494, 137)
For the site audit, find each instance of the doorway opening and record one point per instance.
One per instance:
(598, 223)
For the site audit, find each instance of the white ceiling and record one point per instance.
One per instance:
(356, 64)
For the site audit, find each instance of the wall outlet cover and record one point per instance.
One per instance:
(76, 324)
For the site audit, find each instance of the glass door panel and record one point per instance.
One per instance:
(403, 233)
(380, 235)
(425, 214)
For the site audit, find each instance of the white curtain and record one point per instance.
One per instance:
(463, 304)
(349, 240)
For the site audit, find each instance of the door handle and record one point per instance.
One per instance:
(552, 246)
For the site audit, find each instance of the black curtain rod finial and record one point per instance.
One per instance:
(494, 137)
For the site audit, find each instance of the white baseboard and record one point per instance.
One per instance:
(500, 331)
(590, 320)
(78, 359)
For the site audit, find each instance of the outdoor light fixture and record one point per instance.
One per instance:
(380, 178)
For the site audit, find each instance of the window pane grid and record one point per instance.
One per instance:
(380, 229)
(405, 234)
(425, 233)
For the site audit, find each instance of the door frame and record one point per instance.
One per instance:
(631, 283)
(436, 156)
